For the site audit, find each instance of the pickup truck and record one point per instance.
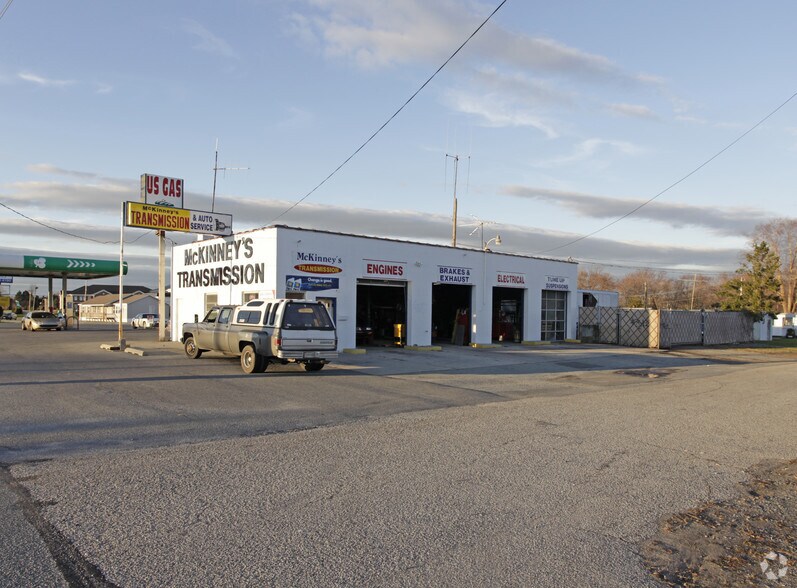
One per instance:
(266, 331)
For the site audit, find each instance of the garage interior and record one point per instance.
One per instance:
(451, 308)
(381, 305)
(508, 314)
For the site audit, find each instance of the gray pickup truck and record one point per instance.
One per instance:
(266, 331)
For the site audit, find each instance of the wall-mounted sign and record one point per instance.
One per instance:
(454, 275)
(235, 255)
(511, 280)
(166, 218)
(162, 190)
(310, 283)
(377, 268)
(557, 283)
(317, 268)
(317, 263)
(6, 280)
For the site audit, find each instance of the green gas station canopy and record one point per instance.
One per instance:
(43, 266)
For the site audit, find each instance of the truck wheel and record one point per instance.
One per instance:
(313, 366)
(191, 350)
(251, 362)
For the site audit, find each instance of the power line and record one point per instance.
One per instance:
(394, 115)
(671, 186)
(3, 11)
(67, 233)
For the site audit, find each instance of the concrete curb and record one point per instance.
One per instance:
(423, 348)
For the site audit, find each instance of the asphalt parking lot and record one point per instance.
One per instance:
(517, 466)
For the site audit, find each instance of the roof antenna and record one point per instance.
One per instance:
(216, 169)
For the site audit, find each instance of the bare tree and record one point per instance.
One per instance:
(596, 279)
(781, 236)
(648, 288)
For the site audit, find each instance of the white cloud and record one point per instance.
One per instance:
(296, 118)
(44, 82)
(208, 42)
(377, 34)
(633, 111)
(52, 202)
(726, 221)
(497, 110)
(46, 168)
(591, 149)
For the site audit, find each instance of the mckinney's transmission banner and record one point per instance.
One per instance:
(166, 218)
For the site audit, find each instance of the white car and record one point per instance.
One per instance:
(144, 320)
(9, 315)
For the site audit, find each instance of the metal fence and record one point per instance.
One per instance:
(662, 329)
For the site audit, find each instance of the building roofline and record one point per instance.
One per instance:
(394, 240)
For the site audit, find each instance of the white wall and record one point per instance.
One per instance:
(287, 252)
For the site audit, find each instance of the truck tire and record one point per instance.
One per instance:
(251, 362)
(313, 366)
(191, 350)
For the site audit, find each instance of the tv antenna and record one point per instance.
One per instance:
(216, 170)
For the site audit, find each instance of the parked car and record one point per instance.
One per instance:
(9, 315)
(37, 320)
(144, 320)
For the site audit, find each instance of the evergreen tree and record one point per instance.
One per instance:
(756, 287)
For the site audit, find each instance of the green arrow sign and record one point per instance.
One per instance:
(71, 264)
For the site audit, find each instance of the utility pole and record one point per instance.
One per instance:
(694, 285)
(216, 169)
(454, 219)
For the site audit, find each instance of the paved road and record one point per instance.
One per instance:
(511, 467)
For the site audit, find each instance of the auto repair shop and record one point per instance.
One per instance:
(382, 291)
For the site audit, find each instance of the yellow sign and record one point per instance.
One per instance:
(163, 218)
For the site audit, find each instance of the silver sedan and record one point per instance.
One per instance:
(38, 320)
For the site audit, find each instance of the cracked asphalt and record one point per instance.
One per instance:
(510, 467)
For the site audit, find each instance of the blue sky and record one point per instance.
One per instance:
(565, 116)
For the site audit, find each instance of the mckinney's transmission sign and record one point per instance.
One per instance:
(167, 218)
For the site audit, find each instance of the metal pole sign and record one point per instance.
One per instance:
(165, 218)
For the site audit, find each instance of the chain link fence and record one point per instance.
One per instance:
(662, 329)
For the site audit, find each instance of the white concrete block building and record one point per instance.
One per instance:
(436, 293)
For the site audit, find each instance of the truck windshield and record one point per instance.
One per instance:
(306, 316)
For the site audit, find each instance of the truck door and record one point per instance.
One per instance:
(205, 329)
(221, 334)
